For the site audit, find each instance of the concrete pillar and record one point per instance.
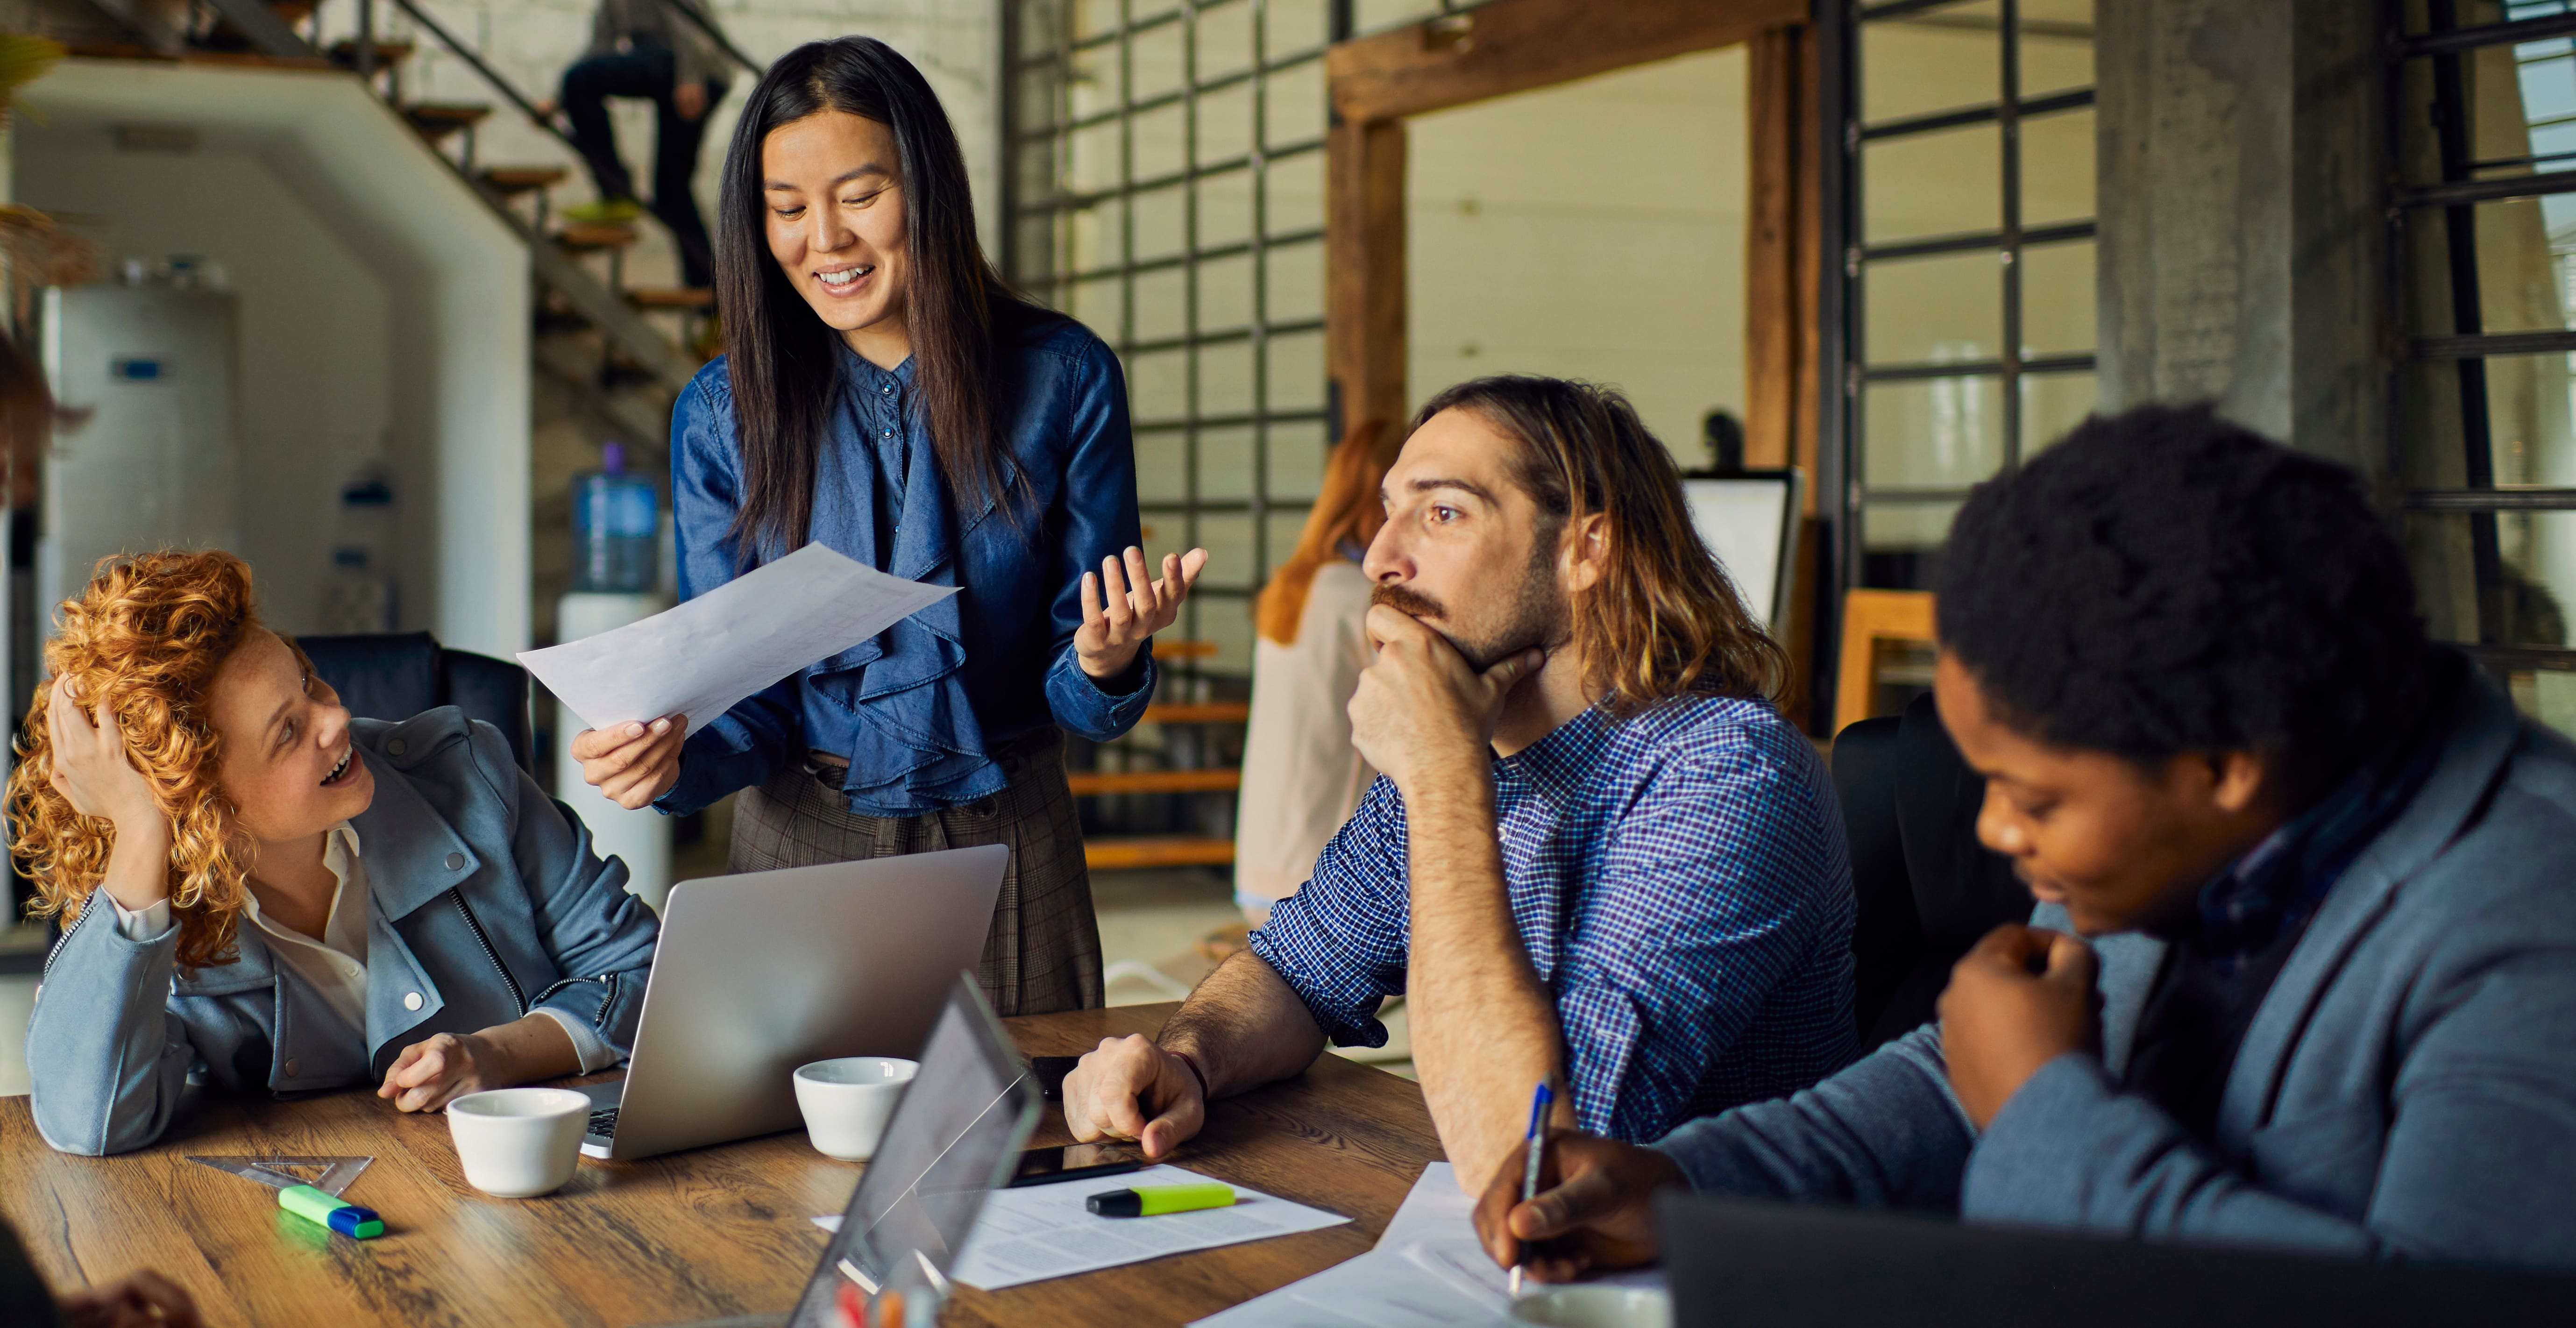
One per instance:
(2242, 240)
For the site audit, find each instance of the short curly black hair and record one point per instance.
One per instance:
(2163, 581)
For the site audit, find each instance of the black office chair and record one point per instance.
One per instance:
(396, 675)
(1924, 888)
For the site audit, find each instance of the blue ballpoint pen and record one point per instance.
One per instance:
(1540, 1101)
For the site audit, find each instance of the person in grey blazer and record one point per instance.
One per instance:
(2303, 971)
(262, 894)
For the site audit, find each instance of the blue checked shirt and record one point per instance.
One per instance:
(1680, 882)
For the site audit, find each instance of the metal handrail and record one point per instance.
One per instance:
(489, 74)
(689, 11)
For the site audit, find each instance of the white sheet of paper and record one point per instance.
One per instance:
(1043, 1231)
(703, 657)
(1428, 1271)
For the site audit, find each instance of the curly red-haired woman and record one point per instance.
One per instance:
(264, 893)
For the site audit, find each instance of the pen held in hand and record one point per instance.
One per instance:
(1540, 1101)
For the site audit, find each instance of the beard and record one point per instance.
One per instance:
(1535, 619)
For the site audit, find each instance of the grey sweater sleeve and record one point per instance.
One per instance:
(1884, 1132)
(107, 1060)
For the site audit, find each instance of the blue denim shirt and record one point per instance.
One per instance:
(918, 708)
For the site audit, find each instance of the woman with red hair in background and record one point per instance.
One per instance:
(1302, 778)
(262, 892)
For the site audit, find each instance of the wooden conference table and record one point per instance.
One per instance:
(713, 1233)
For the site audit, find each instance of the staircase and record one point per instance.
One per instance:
(623, 352)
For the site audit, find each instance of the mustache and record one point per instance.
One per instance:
(1405, 599)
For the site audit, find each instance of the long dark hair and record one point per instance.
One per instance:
(784, 362)
(1663, 621)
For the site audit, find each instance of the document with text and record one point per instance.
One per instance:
(703, 657)
(1428, 1271)
(1037, 1232)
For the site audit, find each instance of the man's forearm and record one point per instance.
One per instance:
(1245, 1026)
(1484, 1030)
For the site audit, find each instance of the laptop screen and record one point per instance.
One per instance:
(954, 1138)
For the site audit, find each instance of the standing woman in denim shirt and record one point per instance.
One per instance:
(883, 393)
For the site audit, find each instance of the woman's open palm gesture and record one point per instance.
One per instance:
(1115, 625)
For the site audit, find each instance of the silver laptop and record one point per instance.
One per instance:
(758, 974)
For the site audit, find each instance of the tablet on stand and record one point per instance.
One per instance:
(954, 1139)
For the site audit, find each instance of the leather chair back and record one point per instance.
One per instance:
(396, 675)
(1924, 889)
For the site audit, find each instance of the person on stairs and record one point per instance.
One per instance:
(646, 49)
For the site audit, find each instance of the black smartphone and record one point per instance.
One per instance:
(1050, 1072)
(1046, 1166)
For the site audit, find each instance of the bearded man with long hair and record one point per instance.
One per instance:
(1596, 855)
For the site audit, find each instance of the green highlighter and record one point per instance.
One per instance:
(340, 1215)
(314, 1203)
(1156, 1200)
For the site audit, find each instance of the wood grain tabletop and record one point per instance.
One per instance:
(713, 1233)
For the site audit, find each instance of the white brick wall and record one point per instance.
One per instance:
(530, 42)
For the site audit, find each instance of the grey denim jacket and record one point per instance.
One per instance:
(487, 903)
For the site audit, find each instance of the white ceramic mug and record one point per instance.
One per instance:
(848, 1101)
(1596, 1307)
(518, 1143)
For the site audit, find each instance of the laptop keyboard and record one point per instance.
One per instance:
(603, 1122)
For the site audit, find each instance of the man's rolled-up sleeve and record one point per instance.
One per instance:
(1340, 940)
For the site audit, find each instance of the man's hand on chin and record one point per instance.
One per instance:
(1421, 709)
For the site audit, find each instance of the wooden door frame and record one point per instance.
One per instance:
(1518, 45)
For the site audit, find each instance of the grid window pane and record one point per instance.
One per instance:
(1297, 454)
(2058, 299)
(1162, 304)
(1225, 207)
(2056, 46)
(1226, 472)
(1225, 124)
(1936, 61)
(1290, 26)
(1932, 184)
(1946, 309)
(1297, 372)
(1938, 433)
(1162, 468)
(2523, 269)
(2057, 167)
(1225, 39)
(1156, 63)
(1225, 292)
(2052, 405)
(1296, 281)
(1162, 141)
(2537, 553)
(1223, 363)
(1225, 383)
(1096, 85)
(1292, 106)
(1162, 221)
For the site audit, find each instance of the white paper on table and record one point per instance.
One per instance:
(703, 657)
(1039, 1232)
(1428, 1271)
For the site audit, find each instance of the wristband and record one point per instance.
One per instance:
(1195, 1072)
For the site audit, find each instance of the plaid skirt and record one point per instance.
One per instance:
(1043, 952)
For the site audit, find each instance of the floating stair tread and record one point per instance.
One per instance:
(671, 297)
(1182, 648)
(1159, 851)
(592, 239)
(446, 115)
(521, 179)
(1200, 712)
(1092, 783)
(388, 51)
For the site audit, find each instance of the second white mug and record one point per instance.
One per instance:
(847, 1102)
